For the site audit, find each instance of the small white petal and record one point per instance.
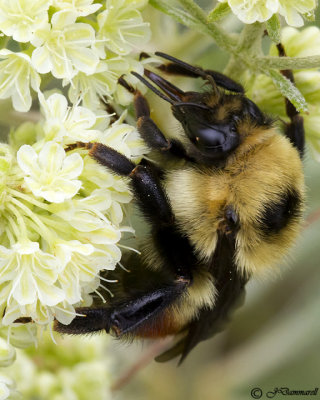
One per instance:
(82, 118)
(25, 291)
(84, 59)
(99, 200)
(49, 295)
(105, 235)
(64, 190)
(116, 213)
(28, 160)
(63, 18)
(51, 156)
(57, 105)
(41, 60)
(21, 99)
(69, 188)
(292, 17)
(107, 258)
(26, 247)
(72, 166)
(71, 285)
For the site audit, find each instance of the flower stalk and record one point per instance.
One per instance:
(241, 47)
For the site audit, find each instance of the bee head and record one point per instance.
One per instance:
(212, 121)
(215, 139)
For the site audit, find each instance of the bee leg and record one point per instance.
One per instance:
(154, 204)
(178, 67)
(148, 129)
(144, 179)
(142, 315)
(294, 130)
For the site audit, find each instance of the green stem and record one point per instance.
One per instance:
(245, 49)
(288, 62)
(249, 44)
(200, 24)
(250, 38)
(194, 10)
(235, 68)
(223, 39)
(242, 48)
(174, 12)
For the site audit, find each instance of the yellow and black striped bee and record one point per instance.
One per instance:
(230, 208)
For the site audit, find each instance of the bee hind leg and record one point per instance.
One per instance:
(294, 130)
(144, 315)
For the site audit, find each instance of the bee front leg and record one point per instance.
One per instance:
(153, 203)
(149, 131)
(178, 67)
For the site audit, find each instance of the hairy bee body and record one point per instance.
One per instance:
(228, 207)
(252, 183)
(264, 185)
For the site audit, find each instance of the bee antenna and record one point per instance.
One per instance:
(151, 87)
(186, 66)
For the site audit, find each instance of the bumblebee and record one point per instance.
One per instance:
(229, 208)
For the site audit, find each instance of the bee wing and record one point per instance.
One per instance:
(207, 325)
(230, 284)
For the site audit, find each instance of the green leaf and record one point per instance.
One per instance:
(219, 12)
(274, 28)
(288, 90)
(288, 62)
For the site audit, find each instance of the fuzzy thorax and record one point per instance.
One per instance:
(256, 183)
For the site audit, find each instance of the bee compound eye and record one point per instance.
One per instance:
(209, 137)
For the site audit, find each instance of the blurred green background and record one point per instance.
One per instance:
(274, 339)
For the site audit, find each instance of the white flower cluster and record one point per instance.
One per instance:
(89, 55)
(60, 212)
(250, 11)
